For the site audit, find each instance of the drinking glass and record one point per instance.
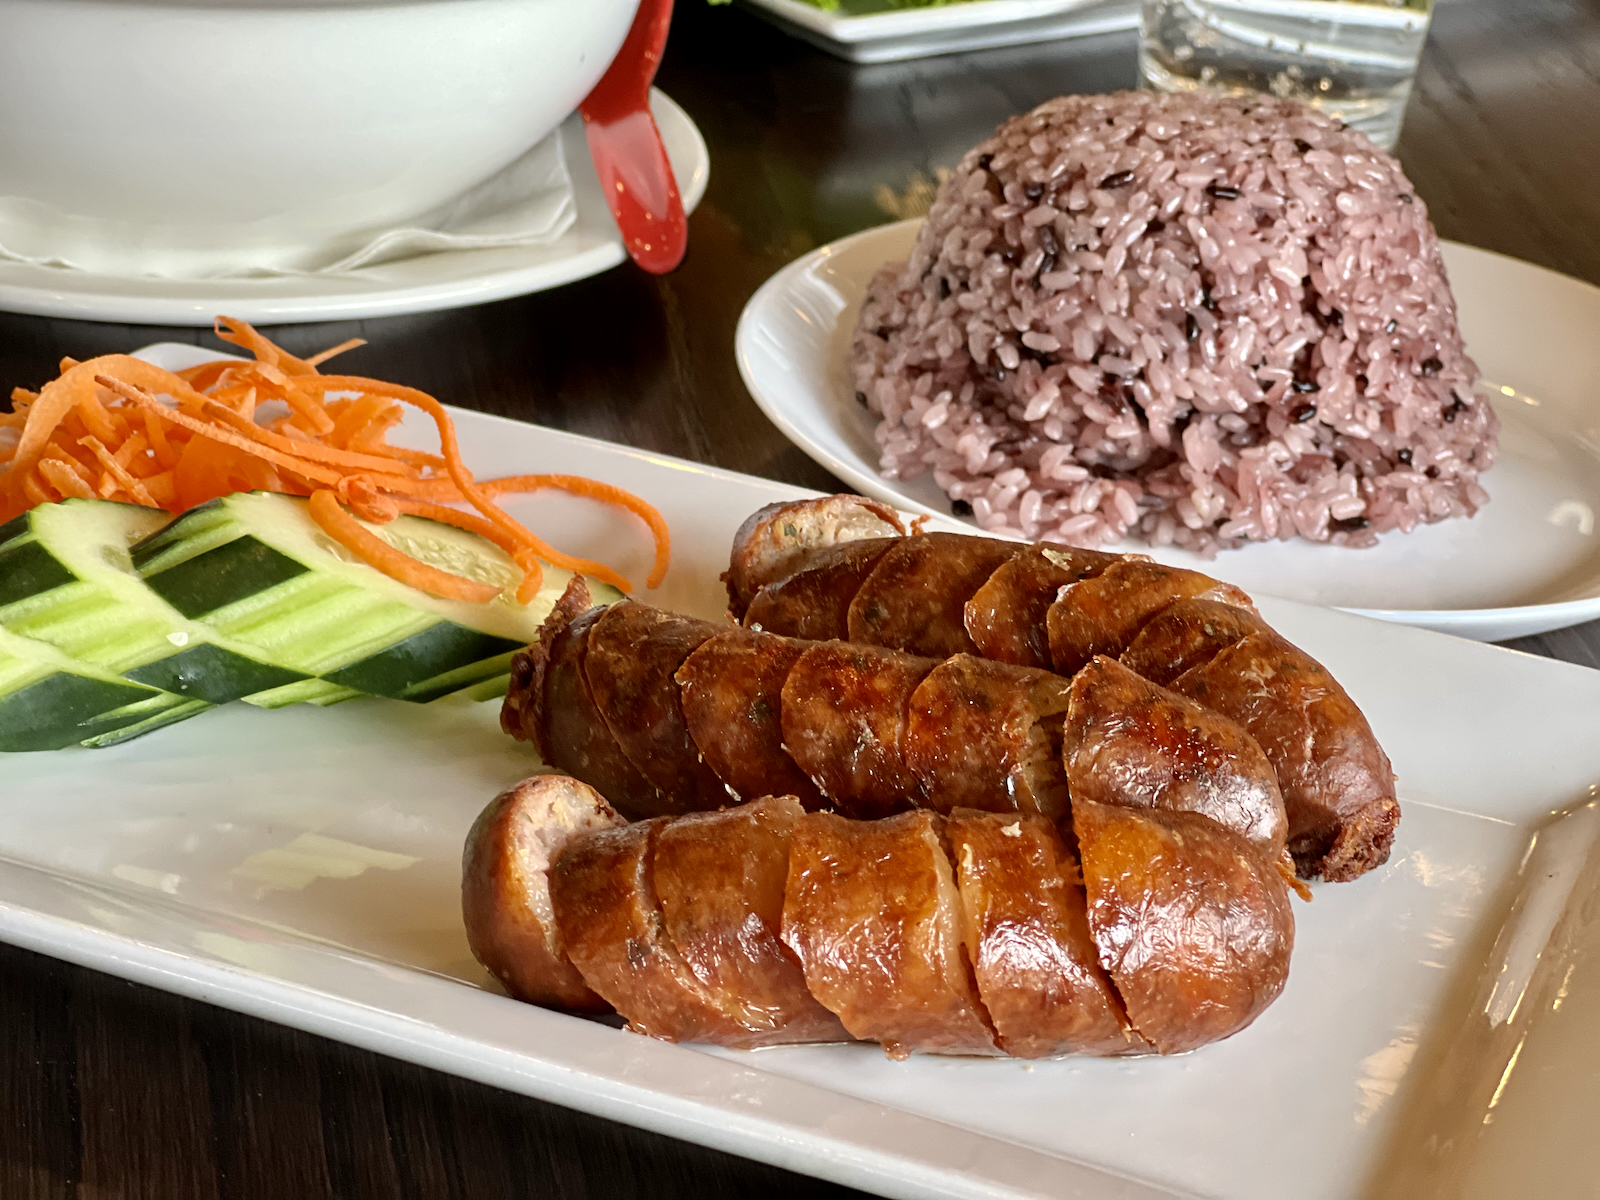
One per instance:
(1352, 59)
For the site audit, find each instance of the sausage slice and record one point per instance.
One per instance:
(720, 878)
(814, 602)
(605, 907)
(505, 887)
(1027, 935)
(1186, 635)
(846, 709)
(774, 541)
(1006, 617)
(872, 911)
(1192, 923)
(914, 598)
(987, 735)
(632, 653)
(1132, 743)
(550, 704)
(732, 695)
(1338, 786)
(1103, 614)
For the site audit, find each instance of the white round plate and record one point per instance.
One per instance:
(1528, 562)
(449, 279)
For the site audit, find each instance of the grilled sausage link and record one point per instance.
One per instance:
(975, 934)
(1058, 608)
(748, 714)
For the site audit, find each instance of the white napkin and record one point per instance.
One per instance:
(530, 202)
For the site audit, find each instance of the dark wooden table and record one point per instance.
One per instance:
(111, 1089)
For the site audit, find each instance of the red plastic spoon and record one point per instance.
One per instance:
(627, 148)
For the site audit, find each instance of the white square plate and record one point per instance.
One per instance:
(1439, 1022)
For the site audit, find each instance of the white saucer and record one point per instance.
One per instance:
(1529, 562)
(450, 279)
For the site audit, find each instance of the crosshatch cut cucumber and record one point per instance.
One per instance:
(256, 568)
(49, 701)
(67, 579)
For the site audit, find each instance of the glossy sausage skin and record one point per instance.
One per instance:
(773, 541)
(1186, 635)
(815, 602)
(872, 912)
(633, 652)
(1131, 743)
(1192, 923)
(914, 597)
(1338, 786)
(987, 735)
(974, 934)
(846, 709)
(1103, 614)
(505, 890)
(606, 908)
(1027, 935)
(550, 704)
(720, 879)
(732, 695)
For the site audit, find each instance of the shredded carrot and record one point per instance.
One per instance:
(121, 428)
(354, 537)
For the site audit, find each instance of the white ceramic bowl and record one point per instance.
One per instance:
(181, 136)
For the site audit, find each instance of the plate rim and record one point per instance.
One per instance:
(366, 297)
(1513, 620)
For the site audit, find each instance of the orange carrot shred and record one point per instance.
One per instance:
(64, 479)
(393, 562)
(176, 439)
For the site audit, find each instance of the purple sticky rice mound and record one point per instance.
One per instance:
(1189, 320)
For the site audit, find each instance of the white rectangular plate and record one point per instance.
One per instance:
(302, 865)
(918, 32)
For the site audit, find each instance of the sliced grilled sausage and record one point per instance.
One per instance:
(773, 541)
(1186, 635)
(1129, 742)
(814, 602)
(505, 887)
(915, 595)
(1027, 935)
(1103, 614)
(872, 911)
(1006, 616)
(846, 709)
(732, 695)
(987, 735)
(1192, 923)
(632, 654)
(550, 703)
(720, 878)
(605, 906)
(1338, 786)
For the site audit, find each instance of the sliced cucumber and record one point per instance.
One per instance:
(66, 578)
(256, 568)
(49, 701)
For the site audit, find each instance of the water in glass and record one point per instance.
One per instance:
(1353, 59)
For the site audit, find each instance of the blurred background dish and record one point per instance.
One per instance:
(1529, 562)
(425, 282)
(143, 138)
(875, 31)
